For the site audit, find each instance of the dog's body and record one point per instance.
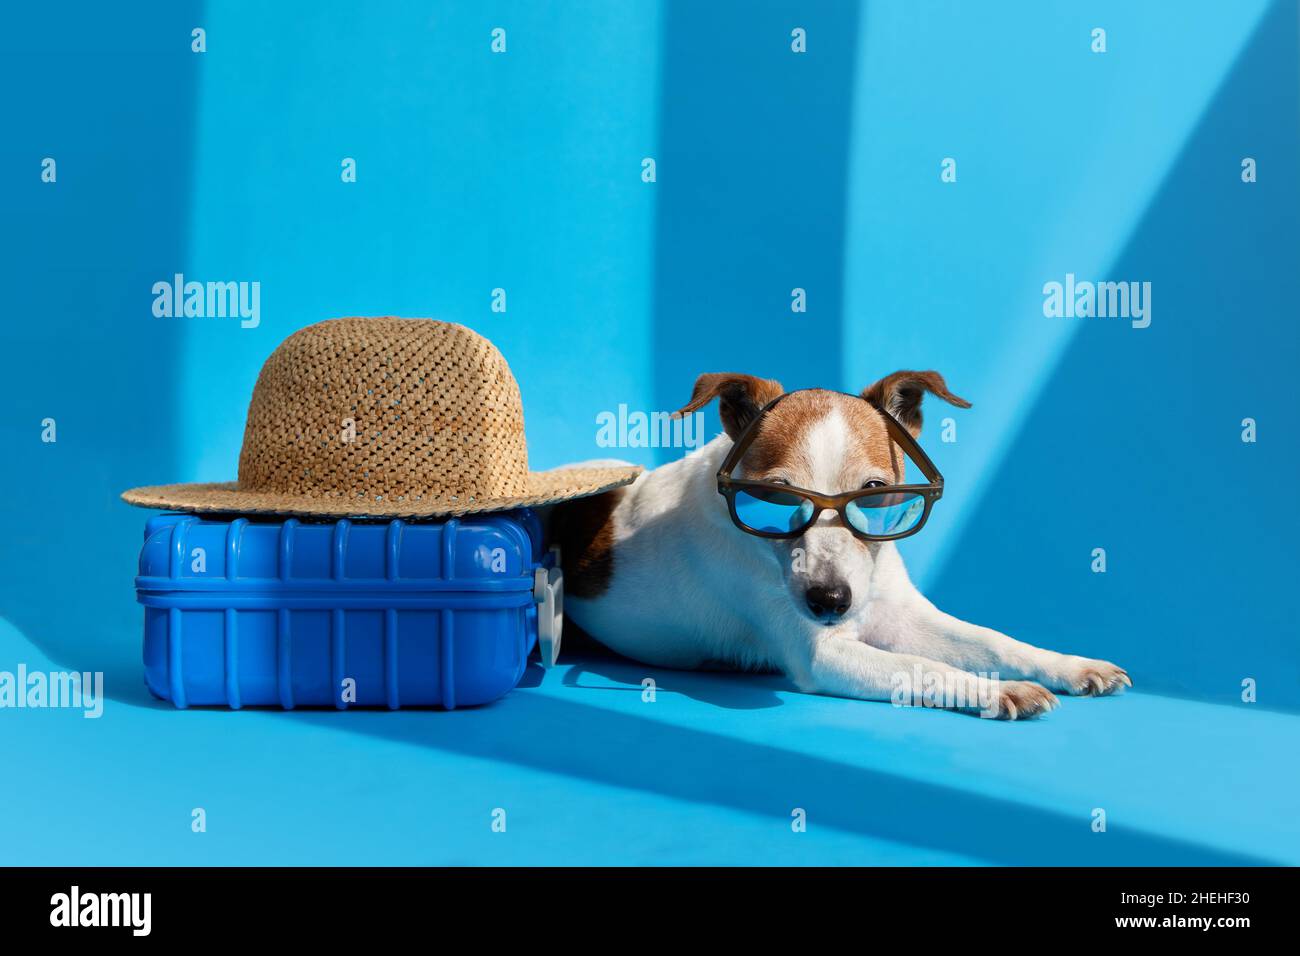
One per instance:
(658, 572)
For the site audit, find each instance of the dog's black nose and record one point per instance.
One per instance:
(828, 602)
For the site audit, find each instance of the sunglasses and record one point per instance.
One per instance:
(770, 509)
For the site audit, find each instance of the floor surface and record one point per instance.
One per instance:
(589, 771)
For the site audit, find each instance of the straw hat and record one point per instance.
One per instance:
(387, 418)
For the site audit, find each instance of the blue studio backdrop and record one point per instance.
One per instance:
(623, 195)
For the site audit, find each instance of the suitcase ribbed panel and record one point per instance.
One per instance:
(338, 614)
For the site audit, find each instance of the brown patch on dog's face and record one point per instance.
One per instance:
(831, 443)
(824, 441)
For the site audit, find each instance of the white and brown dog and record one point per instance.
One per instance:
(657, 571)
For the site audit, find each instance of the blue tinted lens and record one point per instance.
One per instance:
(885, 515)
(772, 511)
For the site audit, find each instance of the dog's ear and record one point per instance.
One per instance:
(900, 395)
(741, 398)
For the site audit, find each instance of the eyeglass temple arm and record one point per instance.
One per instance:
(896, 430)
(746, 439)
(909, 445)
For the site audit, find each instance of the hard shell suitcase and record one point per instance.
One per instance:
(292, 613)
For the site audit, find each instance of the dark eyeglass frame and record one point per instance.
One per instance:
(930, 493)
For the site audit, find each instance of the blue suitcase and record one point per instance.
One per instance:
(292, 613)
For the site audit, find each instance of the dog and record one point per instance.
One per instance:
(658, 572)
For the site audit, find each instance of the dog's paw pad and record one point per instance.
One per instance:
(1022, 700)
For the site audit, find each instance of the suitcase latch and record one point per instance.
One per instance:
(548, 592)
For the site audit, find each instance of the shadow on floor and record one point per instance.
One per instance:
(747, 692)
(695, 765)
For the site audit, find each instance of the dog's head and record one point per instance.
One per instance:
(828, 442)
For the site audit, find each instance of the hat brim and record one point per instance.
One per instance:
(544, 488)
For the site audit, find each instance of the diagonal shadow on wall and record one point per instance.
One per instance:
(1138, 431)
(111, 100)
(752, 194)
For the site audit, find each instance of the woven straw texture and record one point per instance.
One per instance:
(384, 417)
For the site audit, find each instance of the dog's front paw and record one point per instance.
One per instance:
(1084, 677)
(1021, 700)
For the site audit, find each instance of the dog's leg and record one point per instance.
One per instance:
(841, 667)
(921, 628)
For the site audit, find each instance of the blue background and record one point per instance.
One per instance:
(775, 171)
